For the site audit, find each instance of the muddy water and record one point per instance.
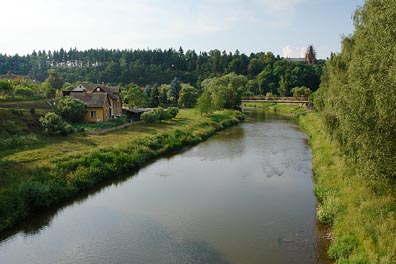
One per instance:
(243, 196)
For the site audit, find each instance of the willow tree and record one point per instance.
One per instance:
(358, 91)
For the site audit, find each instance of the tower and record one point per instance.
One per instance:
(310, 55)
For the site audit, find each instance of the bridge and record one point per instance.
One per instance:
(279, 100)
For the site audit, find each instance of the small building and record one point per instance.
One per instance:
(103, 102)
(135, 114)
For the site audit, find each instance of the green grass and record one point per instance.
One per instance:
(288, 108)
(58, 168)
(361, 211)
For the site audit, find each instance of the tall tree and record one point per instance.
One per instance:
(136, 96)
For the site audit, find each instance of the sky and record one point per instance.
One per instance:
(284, 27)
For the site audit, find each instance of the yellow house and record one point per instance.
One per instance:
(103, 102)
(98, 106)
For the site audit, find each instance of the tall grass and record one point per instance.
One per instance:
(361, 211)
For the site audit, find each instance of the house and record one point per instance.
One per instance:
(103, 102)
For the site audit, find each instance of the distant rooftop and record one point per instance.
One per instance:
(296, 59)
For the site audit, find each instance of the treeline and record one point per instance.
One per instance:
(358, 92)
(265, 71)
(357, 101)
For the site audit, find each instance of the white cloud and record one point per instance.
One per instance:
(52, 24)
(293, 52)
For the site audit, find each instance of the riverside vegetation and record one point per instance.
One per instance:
(354, 141)
(46, 174)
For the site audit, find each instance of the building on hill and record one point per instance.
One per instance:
(295, 59)
(310, 55)
(309, 58)
(103, 102)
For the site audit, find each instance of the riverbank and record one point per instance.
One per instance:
(44, 175)
(361, 212)
(295, 109)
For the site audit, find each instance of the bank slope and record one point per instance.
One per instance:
(361, 211)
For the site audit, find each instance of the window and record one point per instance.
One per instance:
(93, 114)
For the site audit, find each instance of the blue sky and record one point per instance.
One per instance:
(284, 27)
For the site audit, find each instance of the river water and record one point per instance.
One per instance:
(243, 196)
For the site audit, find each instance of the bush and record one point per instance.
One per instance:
(173, 111)
(34, 195)
(328, 210)
(53, 124)
(148, 117)
(159, 114)
(23, 91)
(71, 109)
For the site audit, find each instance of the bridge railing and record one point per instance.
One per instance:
(275, 98)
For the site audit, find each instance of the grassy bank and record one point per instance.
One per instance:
(279, 107)
(361, 212)
(45, 174)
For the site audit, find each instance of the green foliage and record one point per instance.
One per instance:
(159, 114)
(6, 88)
(54, 81)
(300, 91)
(204, 103)
(23, 91)
(149, 117)
(358, 90)
(342, 247)
(34, 195)
(154, 98)
(361, 210)
(226, 91)
(328, 210)
(136, 96)
(71, 109)
(173, 111)
(53, 124)
(174, 91)
(188, 96)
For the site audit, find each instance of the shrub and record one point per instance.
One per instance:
(71, 109)
(34, 195)
(328, 210)
(173, 111)
(53, 124)
(148, 117)
(23, 91)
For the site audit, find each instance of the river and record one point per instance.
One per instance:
(243, 196)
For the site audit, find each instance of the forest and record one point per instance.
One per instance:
(267, 73)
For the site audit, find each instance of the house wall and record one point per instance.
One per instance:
(100, 115)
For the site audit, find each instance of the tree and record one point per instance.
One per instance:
(282, 86)
(174, 90)
(53, 124)
(136, 96)
(188, 96)
(300, 91)
(71, 109)
(154, 99)
(357, 95)
(53, 81)
(226, 91)
(204, 103)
